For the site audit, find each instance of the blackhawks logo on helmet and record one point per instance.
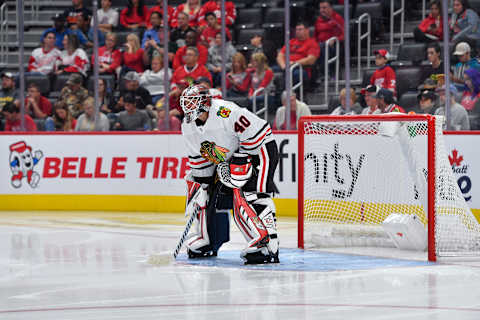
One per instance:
(209, 150)
(224, 112)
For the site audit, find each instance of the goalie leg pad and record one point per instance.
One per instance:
(199, 242)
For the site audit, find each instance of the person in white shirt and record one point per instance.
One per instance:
(87, 121)
(45, 59)
(153, 80)
(107, 17)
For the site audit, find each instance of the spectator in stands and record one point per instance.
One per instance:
(175, 124)
(152, 41)
(192, 9)
(260, 45)
(464, 22)
(74, 94)
(44, 60)
(431, 28)
(60, 30)
(427, 102)
(83, 28)
(179, 34)
(463, 51)
(109, 57)
(371, 100)
(436, 66)
(329, 24)
(72, 13)
(134, 16)
(107, 17)
(73, 58)
(458, 115)
(62, 119)
(297, 109)
(36, 105)
(386, 102)
(214, 92)
(471, 94)
(261, 77)
(355, 107)
(215, 7)
(105, 96)
(88, 121)
(8, 92)
(214, 64)
(133, 55)
(132, 119)
(238, 80)
(303, 50)
(191, 41)
(13, 117)
(153, 80)
(384, 76)
(142, 96)
(159, 8)
(212, 28)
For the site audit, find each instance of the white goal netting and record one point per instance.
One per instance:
(358, 171)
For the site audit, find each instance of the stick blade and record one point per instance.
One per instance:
(161, 259)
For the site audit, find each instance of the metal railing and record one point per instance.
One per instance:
(265, 102)
(3, 33)
(393, 14)
(299, 84)
(368, 36)
(335, 59)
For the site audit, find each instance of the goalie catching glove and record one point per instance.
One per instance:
(236, 173)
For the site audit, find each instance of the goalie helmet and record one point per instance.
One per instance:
(195, 100)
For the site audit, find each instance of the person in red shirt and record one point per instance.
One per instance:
(13, 116)
(133, 56)
(384, 76)
(431, 28)
(159, 8)
(191, 41)
(109, 58)
(215, 7)
(36, 105)
(386, 102)
(303, 50)
(192, 9)
(213, 28)
(134, 16)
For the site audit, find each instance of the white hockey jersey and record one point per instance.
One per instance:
(228, 129)
(44, 61)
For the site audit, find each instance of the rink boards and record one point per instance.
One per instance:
(145, 171)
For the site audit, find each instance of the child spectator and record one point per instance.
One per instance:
(215, 8)
(153, 80)
(431, 28)
(132, 119)
(134, 16)
(13, 118)
(192, 9)
(159, 8)
(471, 94)
(72, 13)
(191, 41)
(175, 123)
(355, 107)
(386, 102)
(384, 76)
(262, 77)
(463, 51)
(8, 93)
(133, 56)
(238, 80)
(73, 94)
(214, 64)
(464, 22)
(36, 105)
(458, 115)
(436, 66)
(109, 57)
(179, 34)
(212, 28)
(73, 58)
(62, 119)
(107, 17)
(297, 109)
(44, 60)
(88, 121)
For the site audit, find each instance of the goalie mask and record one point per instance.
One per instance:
(195, 100)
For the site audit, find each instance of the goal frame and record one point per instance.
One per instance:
(431, 138)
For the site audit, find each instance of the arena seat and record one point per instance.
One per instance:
(414, 52)
(60, 82)
(475, 5)
(374, 9)
(42, 81)
(408, 79)
(367, 74)
(109, 78)
(333, 103)
(244, 35)
(265, 4)
(274, 15)
(474, 119)
(409, 101)
(248, 18)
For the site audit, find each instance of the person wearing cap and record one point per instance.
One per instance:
(153, 80)
(355, 107)
(214, 63)
(471, 94)
(427, 100)
(8, 93)
(44, 60)
(458, 115)
(107, 17)
(386, 102)
(132, 119)
(72, 13)
(181, 54)
(434, 54)
(297, 109)
(132, 85)
(73, 58)
(74, 94)
(371, 100)
(464, 21)
(60, 30)
(12, 115)
(175, 123)
(463, 52)
(384, 76)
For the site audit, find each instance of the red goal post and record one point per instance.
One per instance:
(402, 168)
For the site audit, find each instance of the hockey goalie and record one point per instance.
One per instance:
(233, 157)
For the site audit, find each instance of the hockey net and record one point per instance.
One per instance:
(358, 170)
